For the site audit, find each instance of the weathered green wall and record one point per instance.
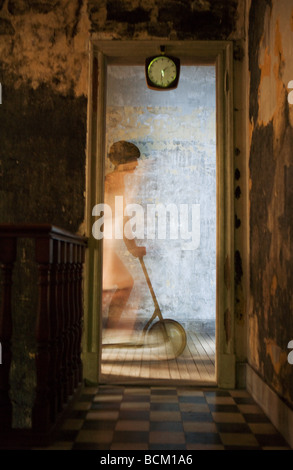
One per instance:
(271, 201)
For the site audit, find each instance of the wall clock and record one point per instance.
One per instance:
(162, 72)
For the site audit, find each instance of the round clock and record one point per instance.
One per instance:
(162, 72)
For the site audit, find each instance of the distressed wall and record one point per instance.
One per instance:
(271, 202)
(176, 134)
(44, 77)
(43, 72)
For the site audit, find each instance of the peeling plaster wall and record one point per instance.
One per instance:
(44, 77)
(271, 195)
(173, 19)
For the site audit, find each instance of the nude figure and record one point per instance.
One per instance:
(117, 280)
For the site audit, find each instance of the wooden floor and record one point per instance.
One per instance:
(142, 364)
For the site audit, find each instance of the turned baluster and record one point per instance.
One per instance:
(65, 336)
(41, 409)
(60, 333)
(59, 258)
(70, 364)
(80, 309)
(7, 259)
(54, 331)
(75, 319)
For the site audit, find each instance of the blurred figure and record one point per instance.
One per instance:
(117, 280)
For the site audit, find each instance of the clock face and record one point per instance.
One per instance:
(162, 71)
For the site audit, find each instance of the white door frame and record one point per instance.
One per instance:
(111, 52)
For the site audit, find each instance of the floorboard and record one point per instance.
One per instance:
(143, 364)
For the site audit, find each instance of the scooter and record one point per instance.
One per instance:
(164, 332)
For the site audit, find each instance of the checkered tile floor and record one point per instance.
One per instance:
(166, 418)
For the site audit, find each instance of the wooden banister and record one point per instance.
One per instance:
(59, 256)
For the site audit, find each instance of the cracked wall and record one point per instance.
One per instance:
(271, 203)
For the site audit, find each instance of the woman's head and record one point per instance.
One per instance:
(123, 152)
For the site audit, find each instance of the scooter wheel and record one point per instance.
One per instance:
(169, 336)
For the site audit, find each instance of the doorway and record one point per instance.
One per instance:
(174, 190)
(181, 170)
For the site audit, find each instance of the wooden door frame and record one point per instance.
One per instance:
(219, 53)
